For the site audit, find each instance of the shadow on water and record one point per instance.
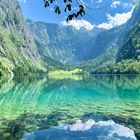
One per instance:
(27, 105)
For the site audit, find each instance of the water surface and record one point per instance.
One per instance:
(40, 104)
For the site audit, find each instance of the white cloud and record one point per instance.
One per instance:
(112, 21)
(115, 3)
(105, 25)
(119, 19)
(77, 24)
(116, 20)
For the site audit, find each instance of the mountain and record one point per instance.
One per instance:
(70, 46)
(123, 55)
(128, 56)
(65, 44)
(105, 59)
(18, 51)
(34, 47)
(17, 46)
(104, 49)
(130, 48)
(106, 41)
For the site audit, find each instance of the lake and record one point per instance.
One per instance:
(100, 107)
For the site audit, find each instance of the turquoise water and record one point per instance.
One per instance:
(40, 104)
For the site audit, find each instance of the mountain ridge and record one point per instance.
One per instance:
(37, 47)
(73, 46)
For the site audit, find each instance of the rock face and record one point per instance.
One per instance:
(17, 44)
(130, 48)
(65, 44)
(107, 40)
(71, 46)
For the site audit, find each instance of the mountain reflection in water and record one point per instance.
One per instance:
(28, 105)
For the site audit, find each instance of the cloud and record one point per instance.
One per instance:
(77, 24)
(112, 21)
(105, 25)
(115, 4)
(119, 3)
(119, 19)
(116, 20)
(97, 1)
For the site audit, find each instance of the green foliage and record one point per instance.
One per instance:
(131, 47)
(123, 67)
(12, 43)
(17, 46)
(65, 72)
(6, 67)
(103, 60)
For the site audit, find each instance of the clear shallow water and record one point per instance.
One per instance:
(27, 105)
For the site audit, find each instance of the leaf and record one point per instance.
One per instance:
(68, 7)
(51, 1)
(46, 4)
(57, 10)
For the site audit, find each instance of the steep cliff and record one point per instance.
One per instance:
(17, 47)
(130, 48)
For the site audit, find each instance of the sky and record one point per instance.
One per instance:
(99, 13)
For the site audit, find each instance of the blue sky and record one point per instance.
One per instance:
(99, 13)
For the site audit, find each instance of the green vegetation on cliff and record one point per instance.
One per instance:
(123, 67)
(131, 47)
(18, 50)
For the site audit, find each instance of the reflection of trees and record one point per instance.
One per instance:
(33, 95)
(121, 85)
(21, 93)
(5, 86)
